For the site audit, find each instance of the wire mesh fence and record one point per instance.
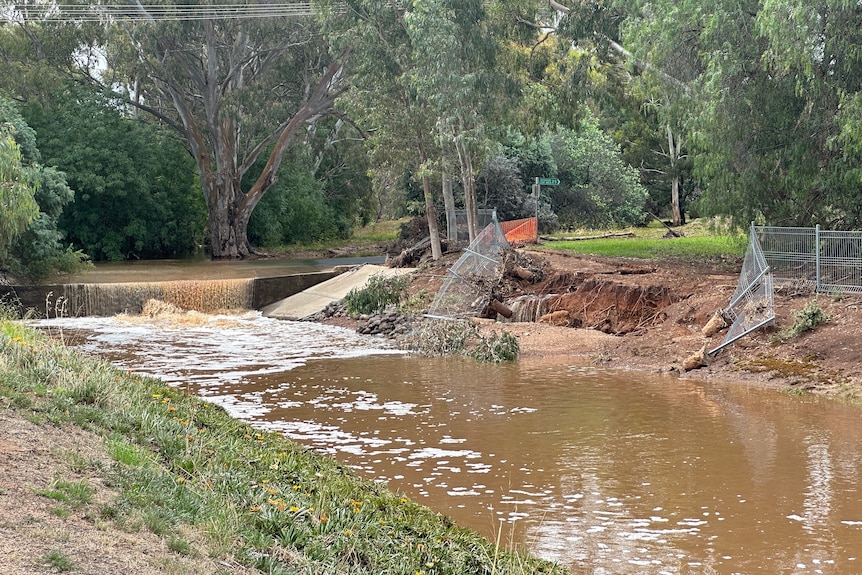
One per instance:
(464, 292)
(753, 303)
(823, 260)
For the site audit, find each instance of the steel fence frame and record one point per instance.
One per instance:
(824, 260)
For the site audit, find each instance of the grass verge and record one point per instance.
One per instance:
(700, 242)
(180, 465)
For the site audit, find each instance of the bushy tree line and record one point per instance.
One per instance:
(233, 132)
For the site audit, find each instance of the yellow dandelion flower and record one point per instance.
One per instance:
(255, 508)
(181, 479)
(294, 508)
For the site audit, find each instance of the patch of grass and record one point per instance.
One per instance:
(61, 512)
(702, 241)
(180, 545)
(694, 249)
(129, 455)
(383, 231)
(59, 561)
(74, 493)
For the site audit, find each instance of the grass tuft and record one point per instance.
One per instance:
(59, 561)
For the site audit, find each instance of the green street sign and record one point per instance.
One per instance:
(548, 181)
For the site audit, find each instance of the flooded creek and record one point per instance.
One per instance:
(601, 470)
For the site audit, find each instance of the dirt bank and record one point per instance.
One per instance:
(648, 316)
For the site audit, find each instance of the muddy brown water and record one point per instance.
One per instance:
(603, 471)
(201, 268)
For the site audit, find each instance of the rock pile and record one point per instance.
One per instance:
(388, 322)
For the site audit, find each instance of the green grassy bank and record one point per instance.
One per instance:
(700, 242)
(179, 465)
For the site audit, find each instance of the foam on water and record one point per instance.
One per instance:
(219, 347)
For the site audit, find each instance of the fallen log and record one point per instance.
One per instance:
(579, 238)
(500, 308)
(522, 273)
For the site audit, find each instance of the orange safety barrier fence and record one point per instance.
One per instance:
(521, 231)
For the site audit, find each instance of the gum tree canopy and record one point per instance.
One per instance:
(238, 90)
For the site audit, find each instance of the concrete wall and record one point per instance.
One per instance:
(75, 300)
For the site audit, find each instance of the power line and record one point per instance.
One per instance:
(156, 12)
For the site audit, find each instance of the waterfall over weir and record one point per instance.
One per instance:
(109, 299)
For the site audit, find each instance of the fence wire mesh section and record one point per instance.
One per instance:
(822, 260)
(840, 261)
(791, 253)
(753, 304)
(465, 292)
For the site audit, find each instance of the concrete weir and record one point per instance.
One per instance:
(105, 299)
(292, 296)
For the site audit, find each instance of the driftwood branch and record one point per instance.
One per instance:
(599, 237)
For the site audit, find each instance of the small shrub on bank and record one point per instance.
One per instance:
(806, 319)
(379, 292)
(497, 348)
(437, 338)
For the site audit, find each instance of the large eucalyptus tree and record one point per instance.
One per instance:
(237, 90)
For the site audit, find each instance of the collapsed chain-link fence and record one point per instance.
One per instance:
(752, 305)
(464, 293)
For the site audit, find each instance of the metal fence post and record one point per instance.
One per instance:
(817, 258)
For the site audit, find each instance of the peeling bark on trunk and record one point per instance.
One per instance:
(449, 203)
(674, 149)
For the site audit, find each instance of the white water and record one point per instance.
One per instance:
(213, 349)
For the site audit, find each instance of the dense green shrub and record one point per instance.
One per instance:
(379, 292)
(136, 192)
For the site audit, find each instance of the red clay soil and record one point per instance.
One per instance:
(648, 316)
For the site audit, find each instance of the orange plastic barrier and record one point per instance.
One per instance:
(523, 231)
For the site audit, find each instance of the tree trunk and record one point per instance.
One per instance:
(431, 215)
(449, 203)
(430, 210)
(674, 149)
(227, 223)
(678, 215)
(466, 163)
